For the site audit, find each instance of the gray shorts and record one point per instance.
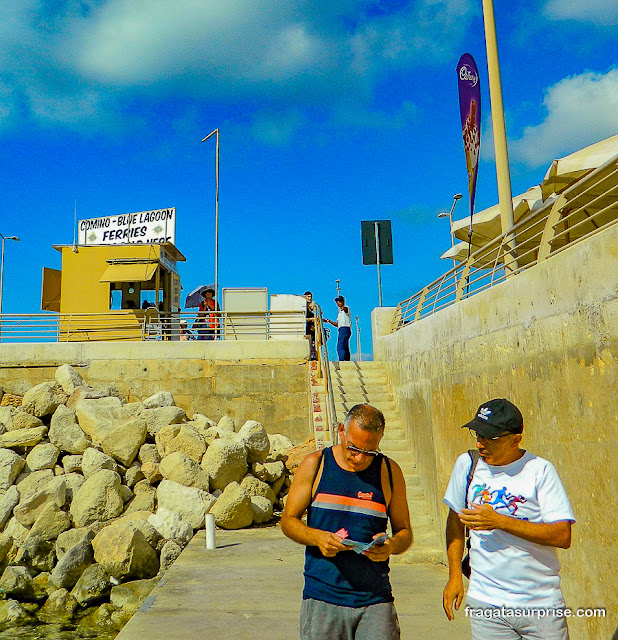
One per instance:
(323, 621)
(488, 623)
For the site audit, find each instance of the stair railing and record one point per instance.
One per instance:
(321, 348)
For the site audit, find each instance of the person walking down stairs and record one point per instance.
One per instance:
(344, 326)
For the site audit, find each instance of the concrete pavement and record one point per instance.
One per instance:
(249, 588)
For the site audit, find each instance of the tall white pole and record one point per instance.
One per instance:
(359, 355)
(376, 231)
(2, 274)
(216, 134)
(497, 116)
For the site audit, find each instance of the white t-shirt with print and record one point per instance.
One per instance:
(507, 570)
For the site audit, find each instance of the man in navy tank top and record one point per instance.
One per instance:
(349, 492)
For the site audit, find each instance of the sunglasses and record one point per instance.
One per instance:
(477, 436)
(352, 449)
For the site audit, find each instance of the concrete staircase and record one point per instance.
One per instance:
(366, 382)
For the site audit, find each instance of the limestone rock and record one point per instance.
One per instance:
(225, 461)
(180, 468)
(256, 441)
(23, 420)
(58, 608)
(97, 417)
(13, 614)
(16, 531)
(262, 509)
(299, 453)
(43, 399)
(190, 503)
(6, 418)
(31, 506)
(65, 433)
(233, 509)
(143, 501)
(269, 471)
(255, 487)
(51, 522)
(133, 475)
(31, 482)
(149, 453)
(72, 463)
(280, 444)
(138, 520)
(68, 378)
(182, 438)
(73, 482)
(160, 399)
(72, 564)
(226, 423)
(97, 499)
(99, 619)
(43, 456)
(169, 552)
(151, 472)
(126, 494)
(122, 442)
(213, 433)
(7, 503)
(170, 525)
(94, 460)
(23, 437)
(86, 393)
(123, 551)
(161, 417)
(92, 585)
(131, 595)
(6, 543)
(70, 538)
(16, 582)
(36, 553)
(202, 422)
(10, 466)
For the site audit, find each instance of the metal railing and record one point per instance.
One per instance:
(146, 325)
(584, 209)
(321, 340)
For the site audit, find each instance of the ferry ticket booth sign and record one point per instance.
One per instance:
(123, 268)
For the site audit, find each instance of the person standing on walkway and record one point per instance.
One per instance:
(349, 492)
(344, 325)
(310, 323)
(207, 321)
(516, 511)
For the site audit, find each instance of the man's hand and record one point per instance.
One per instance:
(481, 517)
(379, 552)
(452, 596)
(328, 543)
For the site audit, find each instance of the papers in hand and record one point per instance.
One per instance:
(359, 547)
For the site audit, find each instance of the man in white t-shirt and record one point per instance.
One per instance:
(517, 511)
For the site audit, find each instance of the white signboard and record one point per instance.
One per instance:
(145, 227)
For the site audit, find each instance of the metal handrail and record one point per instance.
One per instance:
(324, 365)
(583, 209)
(137, 325)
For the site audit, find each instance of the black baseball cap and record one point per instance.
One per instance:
(495, 417)
(339, 299)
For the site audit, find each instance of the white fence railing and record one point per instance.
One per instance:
(151, 325)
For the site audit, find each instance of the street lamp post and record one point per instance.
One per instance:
(444, 214)
(216, 133)
(2, 273)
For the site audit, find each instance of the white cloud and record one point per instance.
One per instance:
(603, 12)
(93, 56)
(581, 110)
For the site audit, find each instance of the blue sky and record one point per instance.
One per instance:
(330, 113)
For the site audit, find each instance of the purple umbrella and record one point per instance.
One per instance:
(194, 297)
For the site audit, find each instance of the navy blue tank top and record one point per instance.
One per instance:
(353, 501)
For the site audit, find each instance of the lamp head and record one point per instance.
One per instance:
(458, 196)
(444, 214)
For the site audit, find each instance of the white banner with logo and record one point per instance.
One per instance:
(145, 227)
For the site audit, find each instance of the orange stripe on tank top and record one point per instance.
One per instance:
(352, 502)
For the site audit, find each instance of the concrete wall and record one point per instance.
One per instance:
(547, 340)
(266, 381)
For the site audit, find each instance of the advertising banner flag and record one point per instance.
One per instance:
(470, 111)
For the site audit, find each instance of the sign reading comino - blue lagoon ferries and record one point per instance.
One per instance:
(145, 227)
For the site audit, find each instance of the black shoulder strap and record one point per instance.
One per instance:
(390, 472)
(474, 457)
